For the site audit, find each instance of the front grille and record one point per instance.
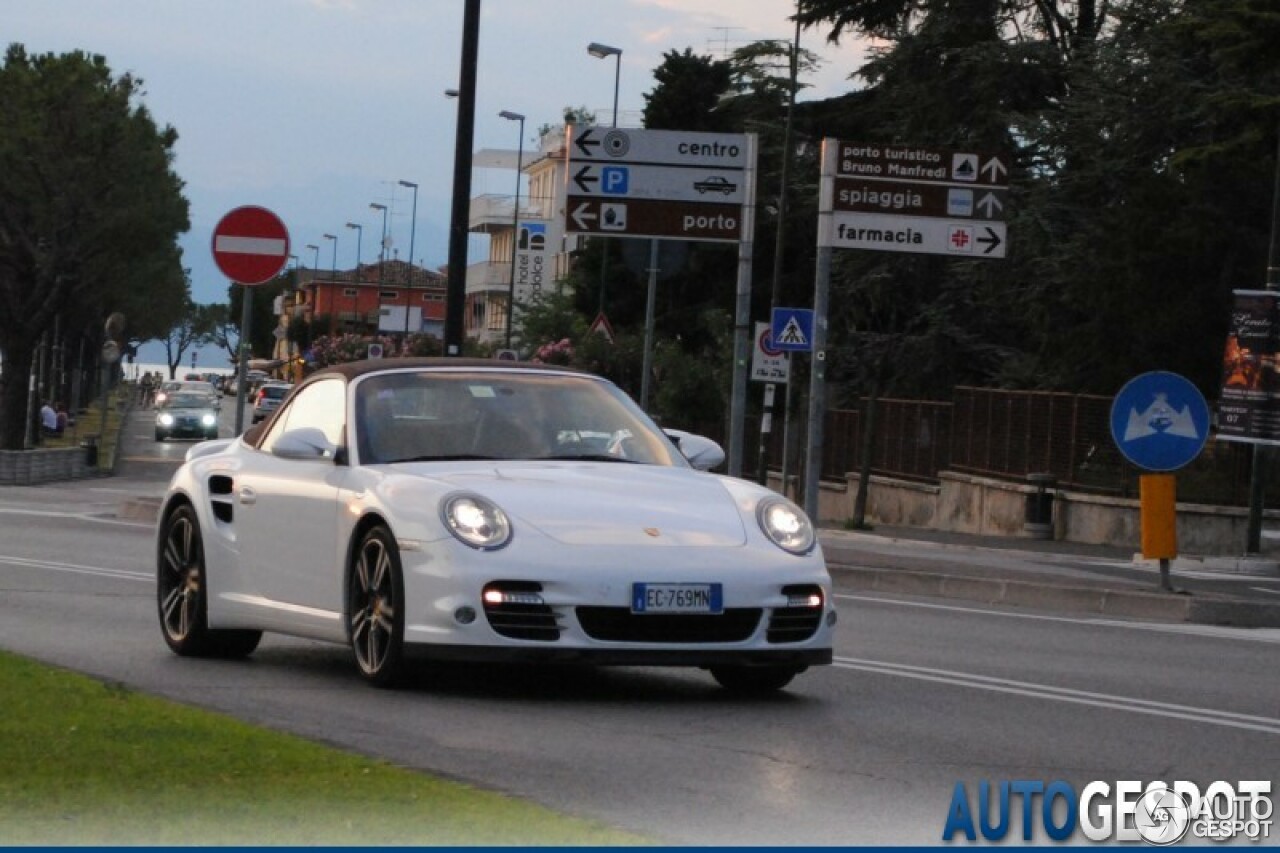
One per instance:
(520, 620)
(620, 625)
(793, 624)
(796, 624)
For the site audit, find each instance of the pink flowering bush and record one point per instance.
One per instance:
(560, 352)
(326, 350)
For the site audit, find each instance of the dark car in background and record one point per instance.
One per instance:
(186, 414)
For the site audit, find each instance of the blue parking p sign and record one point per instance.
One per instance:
(1160, 421)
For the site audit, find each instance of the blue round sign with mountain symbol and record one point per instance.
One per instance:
(1160, 421)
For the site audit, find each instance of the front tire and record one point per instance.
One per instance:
(754, 680)
(182, 590)
(375, 608)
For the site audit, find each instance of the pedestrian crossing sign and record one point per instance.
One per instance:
(792, 329)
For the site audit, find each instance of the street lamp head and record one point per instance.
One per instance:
(600, 51)
(376, 206)
(451, 93)
(409, 184)
(313, 246)
(330, 236)
(354, 225)
(510, 116)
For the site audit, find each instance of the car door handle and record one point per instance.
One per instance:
(248, 496)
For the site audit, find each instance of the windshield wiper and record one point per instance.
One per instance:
(592, 457)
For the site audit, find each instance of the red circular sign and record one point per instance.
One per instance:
(766, 343)
(250, 245)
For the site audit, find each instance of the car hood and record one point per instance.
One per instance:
(607, 503)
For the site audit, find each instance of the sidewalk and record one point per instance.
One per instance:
(1053, 576)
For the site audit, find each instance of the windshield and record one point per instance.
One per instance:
(186, 401)
(440, 415)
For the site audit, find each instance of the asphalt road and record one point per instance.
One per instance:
(924, 694)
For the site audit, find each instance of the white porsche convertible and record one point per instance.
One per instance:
(484, 510)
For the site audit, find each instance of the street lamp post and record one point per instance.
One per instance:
(355, 300)
(382, 247)
(408, 284)
(515, 220)
(601, 51)
(333, 275)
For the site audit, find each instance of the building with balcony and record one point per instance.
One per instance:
(541, 250)
(386, 298)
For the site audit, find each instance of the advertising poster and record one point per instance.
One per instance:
(1249, 407)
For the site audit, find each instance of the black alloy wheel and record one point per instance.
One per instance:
(375, 608)
(181, 591)
(754, 680)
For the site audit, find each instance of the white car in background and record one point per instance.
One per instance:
(268, 397)
(477, 512)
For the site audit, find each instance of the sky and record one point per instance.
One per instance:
(315, 109)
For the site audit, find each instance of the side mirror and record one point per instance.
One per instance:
(702, 453)
(305, 443)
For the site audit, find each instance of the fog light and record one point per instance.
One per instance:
(803, 596)
(494, 595)
(465, 615)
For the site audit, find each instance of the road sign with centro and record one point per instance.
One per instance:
(250, 245)
(668, 184)
(792, 329)
(1160, 421)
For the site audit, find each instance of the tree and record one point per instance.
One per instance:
(688, 92)
(194, 329)
(90, 210)
(224, 332)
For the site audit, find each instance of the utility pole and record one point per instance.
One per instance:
(1258, 468)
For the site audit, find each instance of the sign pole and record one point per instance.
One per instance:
(650, 303)
(1257, 471)
(742, 323)
(1159, 516)
(817, 383)
(786, 428)
(242, 363)
(821, 298)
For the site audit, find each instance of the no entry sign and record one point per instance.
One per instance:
(250, 245)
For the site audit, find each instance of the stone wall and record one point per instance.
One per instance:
(963, 503)
(44, 465)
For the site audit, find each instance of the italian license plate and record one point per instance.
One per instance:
(677, 598)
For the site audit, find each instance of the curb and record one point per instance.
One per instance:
(1103, 602)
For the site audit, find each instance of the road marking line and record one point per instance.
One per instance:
(76, 569)
(1229, 719)
(83, 516)
(1219, 632)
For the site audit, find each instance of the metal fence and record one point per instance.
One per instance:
(1010, 435)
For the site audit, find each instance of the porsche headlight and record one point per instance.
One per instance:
(165, 420)
(476, 521)
(785, 525)
(209, 419)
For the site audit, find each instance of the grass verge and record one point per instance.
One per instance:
(92, 763)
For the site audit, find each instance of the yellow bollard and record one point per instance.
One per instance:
(1159, 515)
